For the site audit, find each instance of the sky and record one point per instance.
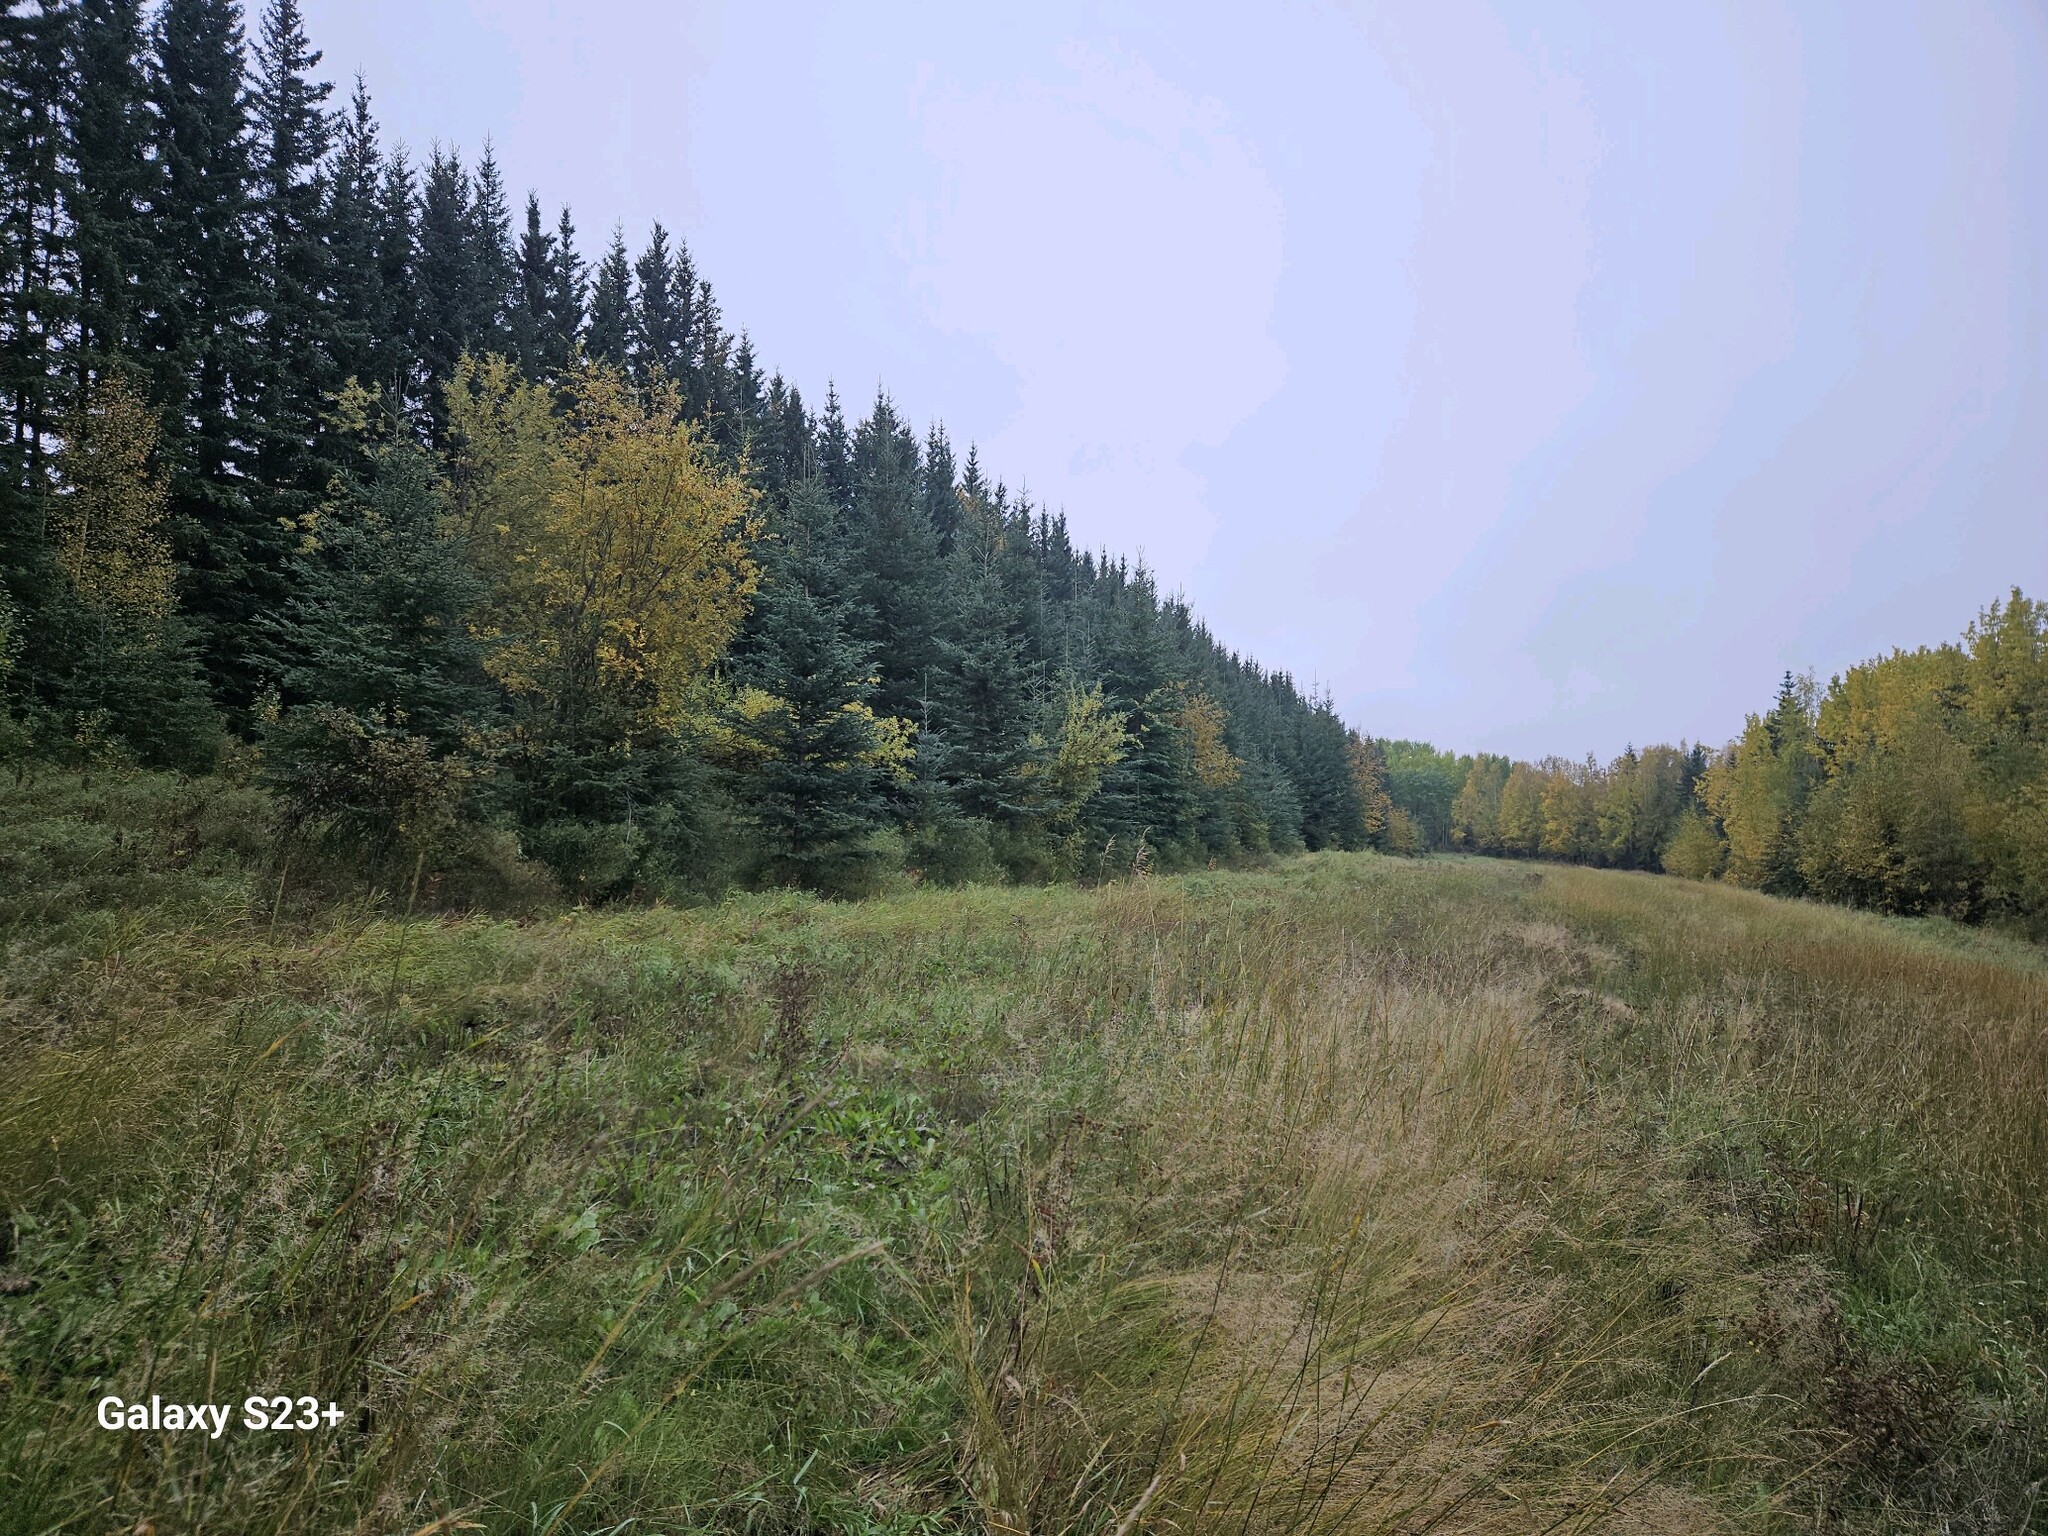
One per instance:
(1537, 378)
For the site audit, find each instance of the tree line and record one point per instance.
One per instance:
(1914, 783)
(322, 466)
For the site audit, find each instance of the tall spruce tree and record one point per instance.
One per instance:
(811, 787)
(445, 310)
(401, 371)
(360, 320)
(232, 553)
(787, 450)
(567, 288)
(981, 684)
(835, 457)
(661, 314)
(33, 42)
(610, 338)
(897, 578)
(493, 263)
(939, 490)
(114, 188)
(33, 241)
(743, 419)
(294, 371)
(533, 311)
(707, 381)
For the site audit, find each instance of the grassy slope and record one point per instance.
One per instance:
(1356, 1195)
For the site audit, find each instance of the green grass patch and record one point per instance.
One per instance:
(1356, 1194)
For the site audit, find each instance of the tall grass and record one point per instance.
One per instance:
(1354, 1196)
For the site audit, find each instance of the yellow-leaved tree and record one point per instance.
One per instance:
(119, 672)
(1368, 767)
(107, 520)
(1092, 738)
(615, 544)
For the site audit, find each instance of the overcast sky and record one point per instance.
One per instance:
(1539, 378)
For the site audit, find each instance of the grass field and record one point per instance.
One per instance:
(1352, 1195)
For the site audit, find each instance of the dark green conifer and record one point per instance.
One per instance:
(401, 370)
(610, 339)
(443, 284)
(661, 314)
(939, 491)
(835, 457)
(981, 685)
(493, 271)
(896, 580)
(812, 789)
(232, 553)
(533, 312)
(567, 287)
(361, 319)
(294, 373)
(114, 188)
(379, 621)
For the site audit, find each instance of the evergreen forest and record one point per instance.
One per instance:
(337, 469)
(498, 558)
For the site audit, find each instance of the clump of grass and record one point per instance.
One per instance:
(1350, 1196)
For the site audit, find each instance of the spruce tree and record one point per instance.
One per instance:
(661, 314)
(360, 320)
(743, 420)
(610, 339)
(381, 680)
(34, 245)
(1331, 813)
(567, 287)
(812, 785)
(400, 371)
(113, 190)
(444, 282)
(939, 492)
(296, 335)
(34, 74)
(533, 313)
(379, 621)
(981, 684)
(494, 267)
(707, 382)
(787, 451)
(896, 580)
(232, 553)
(835, 457)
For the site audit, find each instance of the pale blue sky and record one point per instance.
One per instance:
(1538, 377)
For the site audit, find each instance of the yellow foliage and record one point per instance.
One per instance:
(718, 717)
(1205, 721)
(1521, 810)
(1696, 851)
(1877, 706)
(895, 742)
(108, 517)
(616, 545)
(715, 717)
(1369, 778)
(1570, 819)
(1069, 770)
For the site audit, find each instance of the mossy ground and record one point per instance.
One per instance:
(1354, 1194)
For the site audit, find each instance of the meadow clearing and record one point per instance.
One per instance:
(1352, 1194)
